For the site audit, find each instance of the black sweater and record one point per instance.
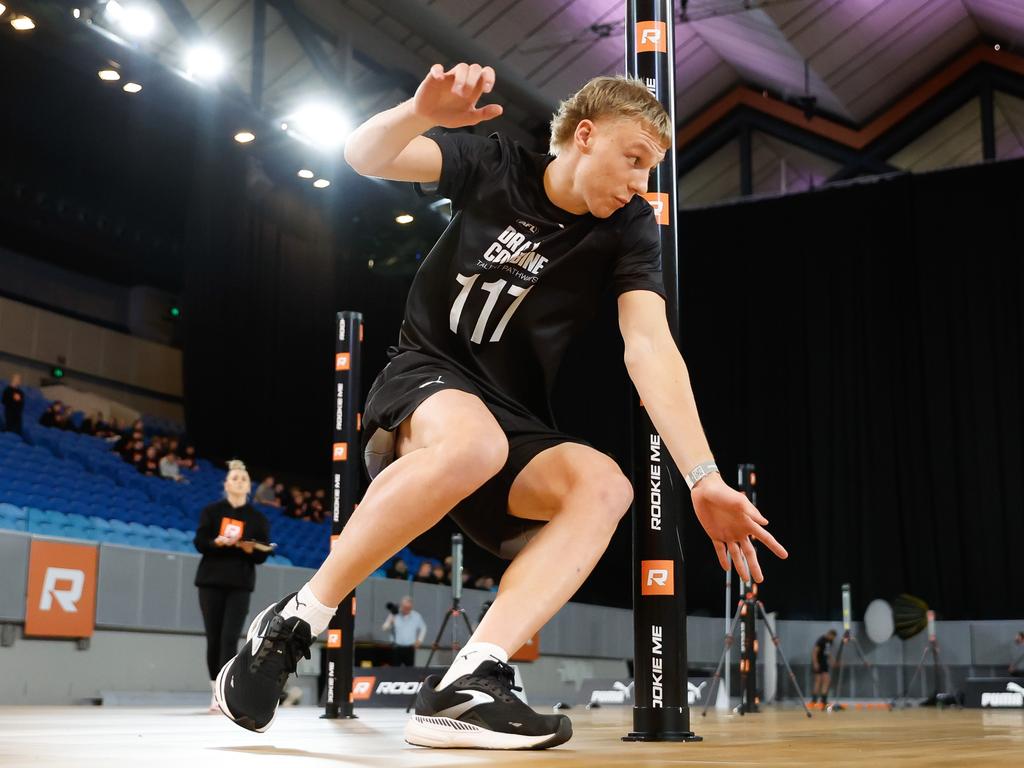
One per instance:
(229, 567)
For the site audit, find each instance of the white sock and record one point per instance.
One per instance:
(306, 606)
(471, 657)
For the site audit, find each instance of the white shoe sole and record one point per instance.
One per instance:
(445, 733)
(218, 691)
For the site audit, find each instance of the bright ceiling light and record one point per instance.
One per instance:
(136, 21)
(23, 23)
(244, 137)
(404, 218)
(321, 124)
(76, 13)
(110, 75)
(131, 88)
(2, 9)
(205, 62)
(305, 173)
(321, 183)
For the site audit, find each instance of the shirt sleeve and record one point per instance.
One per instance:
(205, 533)
(466, 160)
(638, 268)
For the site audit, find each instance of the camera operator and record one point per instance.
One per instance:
(407, 630)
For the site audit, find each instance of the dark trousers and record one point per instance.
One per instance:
(403, 656)
(224, 612)
(12, 421)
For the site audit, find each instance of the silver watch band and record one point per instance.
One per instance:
(699, 472)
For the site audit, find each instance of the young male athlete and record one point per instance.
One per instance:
(459, 421)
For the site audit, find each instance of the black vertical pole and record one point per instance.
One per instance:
(345, 478)
(661, 711)
(988, 121)
(746, 161)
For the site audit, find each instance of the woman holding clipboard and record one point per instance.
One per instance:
(233, 537)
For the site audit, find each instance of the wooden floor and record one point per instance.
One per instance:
(97, 736)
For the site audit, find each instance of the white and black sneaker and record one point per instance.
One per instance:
(480, 710)
(249, 686)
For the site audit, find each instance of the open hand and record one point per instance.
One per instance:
(730, 520)
(449, 98)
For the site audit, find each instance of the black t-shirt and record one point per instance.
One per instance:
(14, 400)
(513, 277)
(229, 567)
(823, 646)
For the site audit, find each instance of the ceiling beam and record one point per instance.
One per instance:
(442, 34)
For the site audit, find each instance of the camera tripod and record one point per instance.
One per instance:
(748, 608)
(453, 612)
(849, 637)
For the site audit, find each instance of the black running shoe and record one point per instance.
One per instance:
(249, 686)
(481, 711)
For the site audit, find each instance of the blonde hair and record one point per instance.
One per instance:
(609, 97)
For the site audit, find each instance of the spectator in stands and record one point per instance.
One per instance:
(14, 404)
(265, 492)
(188, 461)
(484, 582)
(296, 506)
(281, 495)
(438, 575)
(150, 465)
(226, 575)
(63, 418)
(51, 414)
(169, 468)
(425, 574)
(318, 507)
(398, 570)
(93, 424)
(407, 630)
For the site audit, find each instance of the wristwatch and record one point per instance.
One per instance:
(699, 472)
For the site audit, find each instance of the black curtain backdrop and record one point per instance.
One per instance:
(257, 314)
(864, 347)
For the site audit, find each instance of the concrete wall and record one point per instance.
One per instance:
(149, 637)
(142, 374)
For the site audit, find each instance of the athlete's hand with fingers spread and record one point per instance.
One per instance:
(449, 98)
(730, 520)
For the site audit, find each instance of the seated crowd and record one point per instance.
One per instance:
(433, 573)
(293, 502)
(172, 458)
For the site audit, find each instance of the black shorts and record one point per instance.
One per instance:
(408, 380)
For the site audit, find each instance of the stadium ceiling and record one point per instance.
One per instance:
(821, 67)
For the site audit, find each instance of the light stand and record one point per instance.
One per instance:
(933, 649)
(454, 611)
(747, 607)
(849, 637)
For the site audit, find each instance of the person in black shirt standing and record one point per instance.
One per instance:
(226, 575)
(821, 657)
(460, 420)
(14, 404)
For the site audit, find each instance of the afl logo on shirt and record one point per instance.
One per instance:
(531, 228)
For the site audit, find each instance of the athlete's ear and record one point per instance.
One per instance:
(584, 136)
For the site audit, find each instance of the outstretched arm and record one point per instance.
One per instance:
(389, 144)
(659, 374)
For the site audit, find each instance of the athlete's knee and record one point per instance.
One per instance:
(477, 455)
(606, 489)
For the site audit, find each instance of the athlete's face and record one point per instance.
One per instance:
(617, 158)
